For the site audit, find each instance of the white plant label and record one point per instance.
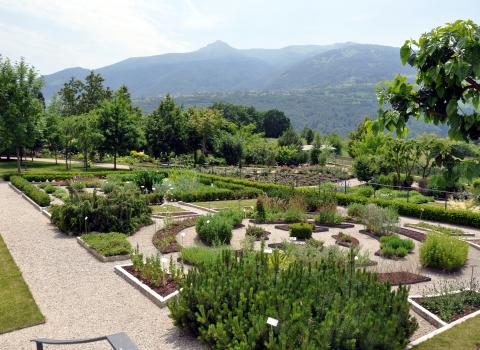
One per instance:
(272, 322)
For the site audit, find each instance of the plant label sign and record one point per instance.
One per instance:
(272, 322)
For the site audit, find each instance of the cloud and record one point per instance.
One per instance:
(98, 32)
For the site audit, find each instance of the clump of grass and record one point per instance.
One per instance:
(201, 255)
(108, 244)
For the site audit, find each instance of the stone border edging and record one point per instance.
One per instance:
(143, 288)
(474, 245)
(101, 257)
(197, 207)
(423, 312)
(31, 201)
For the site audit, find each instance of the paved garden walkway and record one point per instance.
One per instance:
(79, 296)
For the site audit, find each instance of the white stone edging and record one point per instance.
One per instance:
(99, 256)
(434, 319)
(474, 245)
(198, 207)
(31, 201)
(143, 288)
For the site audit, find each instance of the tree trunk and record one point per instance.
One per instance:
(56, 158)
(115, 160)
(85, 159)
(19, 160)
(66, 159)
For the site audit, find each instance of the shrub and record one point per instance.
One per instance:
(201, 255)
(255, 231)
(355, 210)
(328, 215)
(37, 195)
(364, 168)
(366, 191)
(123, 210)
(146, 180)
(108, 244)
(319, 305)
(391, 246)
(260, 215)
(49, 189)
(78, 185)
(234, 215)
(444, 252)
(214, 229)
(301, 231)
(151, 270)
(380, 221)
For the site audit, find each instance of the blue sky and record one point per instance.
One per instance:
(56, 34)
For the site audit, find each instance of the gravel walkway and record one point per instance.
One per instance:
(79, 296)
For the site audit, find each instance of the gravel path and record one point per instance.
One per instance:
(79, 296)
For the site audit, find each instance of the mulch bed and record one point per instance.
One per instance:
(264, 236)
(180, 213)
(392, 257)
(238, 226)
(169, 287)
(286, 227)
(273, 222)
(467, 309)
(353, 243)
(280, 246)
(171, 232)
(402, 277)
(343, 226)
(418, 236)
(370, 234)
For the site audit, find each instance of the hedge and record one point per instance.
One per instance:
(37, 195)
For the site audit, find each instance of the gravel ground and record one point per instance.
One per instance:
(79, 296)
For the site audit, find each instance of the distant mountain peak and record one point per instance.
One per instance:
(218, 47)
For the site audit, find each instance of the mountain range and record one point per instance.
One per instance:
(328, 87)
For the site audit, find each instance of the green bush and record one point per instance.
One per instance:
(78, 185)
(328, 215)
(319, 305)
(444, 252)
(355, 210)
(255, 231)
(391, 246)
(201, 255)
(380, 221)
(123, 210)
(146, 180)
(301, 230)
(364, 168)
(365, 191)
(37, 195)
(260, 215)
(108, 244)
(214, 229)
(235, 215)
(49, 189)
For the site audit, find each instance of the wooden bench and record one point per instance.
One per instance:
(118, 341)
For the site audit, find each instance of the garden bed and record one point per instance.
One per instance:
(158, 295)
(165, 239)
(345, 243)
(392, 257)
(101, 257)
(402, 277)
(286, 227)
(418, 236)
(342, 226)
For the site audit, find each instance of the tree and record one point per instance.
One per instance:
(232, 149)
(290, 138)
(447, 60)
(93, 93)
(240, 115)
(87, 134)
(166, 129)
(428, 151)
(402, 155)
(119, 125)
(206, 123)
(20, 108)
(336, 142)
(70, 95)
(52, 131)
(308, 135)
(67, 129)
(364, 168)
(275, 123)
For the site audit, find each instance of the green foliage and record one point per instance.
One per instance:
(301, 230)
(122, 210)
(448, 66)
(78, 185)
(255, 231)
(291, 155)
(364, 168)
(319, 305)
(260, 214)
(380, 221)
(235, 215)
(443, 252)
(275, 123)
(152, 271)
(108, 244)
(394, 246)
(147, 180)
(201, 255)
(214, 229)
(438, 228)
(290, 138)
(38, 196)
(327, 214)
(355, 210)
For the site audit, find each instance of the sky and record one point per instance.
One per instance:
(58, 34)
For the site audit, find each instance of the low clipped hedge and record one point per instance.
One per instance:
(319, 305)
(37, 195)
(301, 230)
(108, 244)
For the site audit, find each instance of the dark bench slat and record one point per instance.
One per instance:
(121, 341)
(118, 341)
(64, 342)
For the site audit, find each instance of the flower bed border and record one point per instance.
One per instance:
(434, 319)
(154, 297)
(286, 227)
(99, 256)
(353, 243)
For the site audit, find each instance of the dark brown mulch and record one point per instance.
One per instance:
(402, 277)
(171, 233)
(273, 222)
(280, 246)
(238, 226)
(353, 243)
(370, 234)
(263, 237)
(418, 236)
(476, 241)
(286, 227)
(165, 290)
(343, 226)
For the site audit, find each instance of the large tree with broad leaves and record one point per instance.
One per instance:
(447, 91)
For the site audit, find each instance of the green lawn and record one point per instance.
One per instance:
(166, 208)
(40, 167)
(465, 336)
(17, 307)
(228, 204)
